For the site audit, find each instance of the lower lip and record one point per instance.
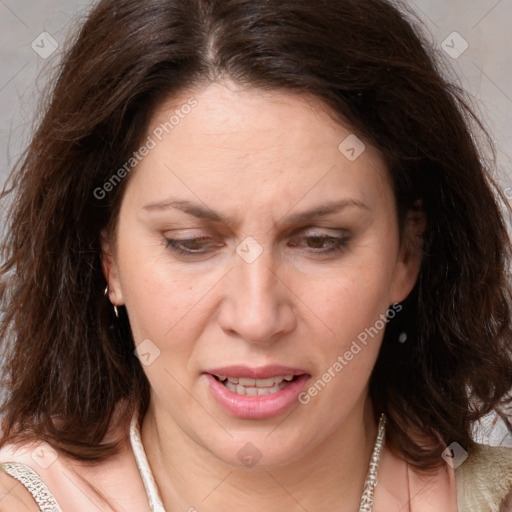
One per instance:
(257, 407)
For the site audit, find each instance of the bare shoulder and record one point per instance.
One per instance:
(14, 497)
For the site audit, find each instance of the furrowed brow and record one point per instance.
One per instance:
(203, 212)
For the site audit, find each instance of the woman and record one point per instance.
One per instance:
(255, 262)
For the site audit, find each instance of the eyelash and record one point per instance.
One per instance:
(338, 244)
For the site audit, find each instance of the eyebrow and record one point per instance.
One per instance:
(203, 212)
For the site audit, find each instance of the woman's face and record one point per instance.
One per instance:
(257, 234)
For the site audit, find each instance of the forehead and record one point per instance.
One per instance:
(257, 147)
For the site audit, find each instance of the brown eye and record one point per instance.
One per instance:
(189, 246)
(321, 244)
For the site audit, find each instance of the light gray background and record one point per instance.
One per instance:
(484, 69)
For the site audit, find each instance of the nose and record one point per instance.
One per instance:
(257, 304)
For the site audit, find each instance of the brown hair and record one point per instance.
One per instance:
(66, 369)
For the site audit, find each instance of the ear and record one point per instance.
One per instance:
(110, 270)
(410, 254)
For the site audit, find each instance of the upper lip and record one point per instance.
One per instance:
(262, 372)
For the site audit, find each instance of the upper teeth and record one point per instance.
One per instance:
(259, 383)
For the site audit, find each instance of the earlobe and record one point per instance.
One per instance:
(411, 254)
(110, 270)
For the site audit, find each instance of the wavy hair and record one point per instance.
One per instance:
(68, 364)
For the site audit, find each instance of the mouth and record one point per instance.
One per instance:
(247, 386)
(256, 393)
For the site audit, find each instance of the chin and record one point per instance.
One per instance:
(256, 451)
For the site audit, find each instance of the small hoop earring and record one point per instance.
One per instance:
(115, 307)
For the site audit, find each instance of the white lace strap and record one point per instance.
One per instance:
(34, 485)
(155, 502)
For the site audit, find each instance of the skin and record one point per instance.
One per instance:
(257, 157)
(14, 496)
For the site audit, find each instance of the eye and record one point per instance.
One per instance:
(316, 243)
(190, 246)
(321, 243)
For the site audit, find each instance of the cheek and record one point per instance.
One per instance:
(161, 299)
(354, 316)
(350, 298)
(354, 308)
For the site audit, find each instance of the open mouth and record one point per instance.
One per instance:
(254, 399)
(256, 387)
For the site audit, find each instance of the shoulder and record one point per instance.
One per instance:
(23, 471)
(484, 480)
(39, 475)
(14, 497)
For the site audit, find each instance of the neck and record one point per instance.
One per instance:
(329, 476)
